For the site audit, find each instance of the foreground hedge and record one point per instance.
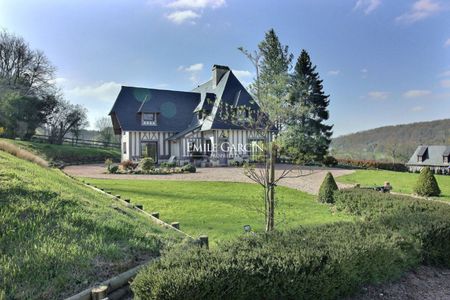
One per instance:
(323, 262)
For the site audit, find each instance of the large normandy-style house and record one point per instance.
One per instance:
(437, 158)
(185, 126)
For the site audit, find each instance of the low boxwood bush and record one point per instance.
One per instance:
(426, 184)
(330, 261)
(189, 168)
(327, 189)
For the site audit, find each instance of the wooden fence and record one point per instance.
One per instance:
(77, 142)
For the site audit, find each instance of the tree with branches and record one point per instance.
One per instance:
(270, 90)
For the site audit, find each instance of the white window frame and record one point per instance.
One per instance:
(148, 122)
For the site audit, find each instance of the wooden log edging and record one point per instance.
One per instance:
(113, 284)
(127, 204)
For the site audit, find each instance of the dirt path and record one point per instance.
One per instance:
(425, 283)
(309, 183)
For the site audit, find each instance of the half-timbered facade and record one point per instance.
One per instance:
(185, 126)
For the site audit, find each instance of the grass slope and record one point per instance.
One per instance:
(402, 182)
(67, 153)
(58, 237)
(219, 209)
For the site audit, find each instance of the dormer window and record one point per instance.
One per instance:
(446, 159)
(149, 119)
(419, 158)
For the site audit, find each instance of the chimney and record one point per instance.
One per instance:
(217, 73)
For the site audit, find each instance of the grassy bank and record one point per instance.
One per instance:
(402, 182)
(58, 237)
(67, 153)
(219, 209)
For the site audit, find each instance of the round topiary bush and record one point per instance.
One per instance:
(147, 164)
(327, 188)
(426, 184)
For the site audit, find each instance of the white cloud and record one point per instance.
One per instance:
(445, 74)
(416, 93)
(242, 73)
(445, 83)
(196, 4)
(105, 92)
(58, 81)
(181, 16)
(378, 95)
(367, 6)
(420, 10)
(447, 43)
(364, 73)
(417, 108)
(333, 72)
(193, 70)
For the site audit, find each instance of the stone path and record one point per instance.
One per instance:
(309, 182)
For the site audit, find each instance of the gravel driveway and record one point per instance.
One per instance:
(309, 182)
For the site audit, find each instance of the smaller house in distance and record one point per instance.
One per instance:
(435, 157)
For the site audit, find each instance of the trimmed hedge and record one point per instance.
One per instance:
(372, 164)
(327, 189)
(426, 184)
(322, 262)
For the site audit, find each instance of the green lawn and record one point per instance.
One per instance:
(219, 209)
(401, 182)
(67, 153)
(58, 237)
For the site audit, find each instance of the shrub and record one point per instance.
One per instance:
(330, 161)
(189, 168)
(147, 164)
(108, 164)
(168, 165)
(426, 184)
(372, 164)
(327, 189)
(114, 169)
(128, 165)
(322, 262)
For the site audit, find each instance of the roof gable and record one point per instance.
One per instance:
(174, 109)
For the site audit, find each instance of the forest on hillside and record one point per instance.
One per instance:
(391, 143)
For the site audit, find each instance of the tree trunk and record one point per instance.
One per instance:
(270, 210)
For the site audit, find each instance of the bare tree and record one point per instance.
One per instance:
(24, 69)
(64, 118)
(105, 128)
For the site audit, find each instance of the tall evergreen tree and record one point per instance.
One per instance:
(306, 134)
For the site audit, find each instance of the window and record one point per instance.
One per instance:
(148, 119)
(124, 145)
(446, 159)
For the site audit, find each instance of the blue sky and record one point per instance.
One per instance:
(383, 62)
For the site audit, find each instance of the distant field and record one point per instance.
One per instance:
(67, 153)
(58, 237)
(219, 209)
(402, 182)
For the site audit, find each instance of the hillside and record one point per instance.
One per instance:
(67, 153)
(386, 143)
(58, 237)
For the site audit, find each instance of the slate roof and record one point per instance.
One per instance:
(177, 110)
(174, 108)
(432, 156)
